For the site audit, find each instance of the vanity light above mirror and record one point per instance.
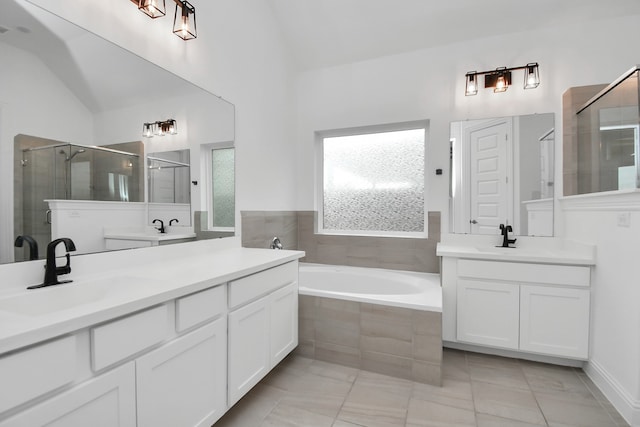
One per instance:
(500, 78)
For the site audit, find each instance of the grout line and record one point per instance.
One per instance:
(544, 416)
(346, 397)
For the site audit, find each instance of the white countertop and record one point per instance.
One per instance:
(544, 250)
(157, 237)
(31, 316)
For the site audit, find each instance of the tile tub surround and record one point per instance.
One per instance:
(394, 341)
(296, 230)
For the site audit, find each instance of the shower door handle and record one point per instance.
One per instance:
(47, 216)
(473, 221)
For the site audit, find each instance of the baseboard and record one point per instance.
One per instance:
(514, 354)
(625, 404)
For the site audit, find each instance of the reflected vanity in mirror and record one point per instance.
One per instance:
(502, 173)
(73, 110)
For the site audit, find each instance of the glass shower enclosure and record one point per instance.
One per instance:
(69, 172)
(608, 138)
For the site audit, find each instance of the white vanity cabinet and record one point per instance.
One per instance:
(263, 325)
(184, 382)
(182, 357)
(103, 401)
(528, 307)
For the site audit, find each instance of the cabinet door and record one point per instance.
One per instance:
(248, 347)
(104, 401)
(554, 321)
(283, 307)
(184, 382)
(488, 313)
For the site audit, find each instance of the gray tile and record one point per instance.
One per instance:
(506, 402)
(252, 409)
(342, 355)
(287, 415)
(507, 374)
(331, 370)
(453, 392)
(427, 348)
(377, 401)
(562, 411)
(426, 322)
(387, 364)
(485, 420)
(432, 414)
(426, 372)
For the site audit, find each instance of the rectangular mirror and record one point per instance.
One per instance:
(502, 173)
(83, 100)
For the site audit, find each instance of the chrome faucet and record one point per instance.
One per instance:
(505, 229)
(171, 221)
(33, 245)
(51, 270)
(275, 243)
(161, 228)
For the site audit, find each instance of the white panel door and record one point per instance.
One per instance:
(488, 313)
(554, 321)
(283, 309)
(104, 401)
(490, 183)
(184, 382)
(248, 347)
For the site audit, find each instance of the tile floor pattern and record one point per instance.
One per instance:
(478, 390)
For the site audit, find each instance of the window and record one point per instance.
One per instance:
(372, 181)
(218, 163)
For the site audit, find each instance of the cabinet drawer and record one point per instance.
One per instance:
(33, 372)
(200, 307)
(122, 338)
(251, 287)
(569, 275)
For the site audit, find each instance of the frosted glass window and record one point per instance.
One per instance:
(374, 183)
(223, 187)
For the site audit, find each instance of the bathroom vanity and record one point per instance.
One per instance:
(530, 300)
(173, 338)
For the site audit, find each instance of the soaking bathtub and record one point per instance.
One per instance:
(418, 291)
(384, 321)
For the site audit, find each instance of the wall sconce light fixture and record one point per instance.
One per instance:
(500, 78)
(160, 128)
(184, 20)
(152, 8)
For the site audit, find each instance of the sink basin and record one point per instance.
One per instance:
(66, 296)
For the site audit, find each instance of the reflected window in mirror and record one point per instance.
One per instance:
(502, 172)
(220, 182)
(371, 180)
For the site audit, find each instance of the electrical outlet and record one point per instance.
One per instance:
(624, 219)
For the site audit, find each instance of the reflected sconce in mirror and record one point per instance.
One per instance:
(152, 8)
(500, 78)
(184, 20)
(160, 128)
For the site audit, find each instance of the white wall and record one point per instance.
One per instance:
(429, 84)
(238, 55)
(614, 362)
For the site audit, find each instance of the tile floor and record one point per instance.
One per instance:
(478, 390)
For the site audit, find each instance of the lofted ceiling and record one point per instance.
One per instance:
(323, 33)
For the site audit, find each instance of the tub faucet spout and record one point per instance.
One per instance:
(275, 243)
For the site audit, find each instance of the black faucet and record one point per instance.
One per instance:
(161, 228)
(33, 245)
(505, 229)
(51, 270)
(171, 221)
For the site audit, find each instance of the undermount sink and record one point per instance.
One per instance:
(66, 296)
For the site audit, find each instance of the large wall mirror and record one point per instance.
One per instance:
(502, 173)
(72, 111)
